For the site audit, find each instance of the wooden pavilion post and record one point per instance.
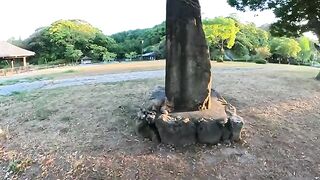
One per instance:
(12, 64)
(24, 61)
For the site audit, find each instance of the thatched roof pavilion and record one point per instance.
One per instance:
(12, 52)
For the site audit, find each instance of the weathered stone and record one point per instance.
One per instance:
(176, 131)
(219, 124)
(236, 124)
(188, 68)
(210, 131)
(144, 125)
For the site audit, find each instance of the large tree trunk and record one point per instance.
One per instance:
(188, 68)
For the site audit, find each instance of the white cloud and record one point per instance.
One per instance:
(19, 18)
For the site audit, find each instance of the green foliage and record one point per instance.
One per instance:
(108, 56)
(306, 51)
(4, 64)
(252, 37)
(72, 53)
(69, 40)
(16, 42)
(220, 60)
(131, 41)
(285, 47)
(100, 53)
(260, 61)
(66, 41)
(216, 54)
(262, 53)
(160, 48)
(240, 49)
(131, 55)
(294, 16)
(220, 30)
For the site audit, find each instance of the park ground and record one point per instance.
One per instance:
(87, 132)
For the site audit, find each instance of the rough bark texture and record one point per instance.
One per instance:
(188, 69)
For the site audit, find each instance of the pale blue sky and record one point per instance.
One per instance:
(19, 18)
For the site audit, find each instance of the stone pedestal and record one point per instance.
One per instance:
(219, 123)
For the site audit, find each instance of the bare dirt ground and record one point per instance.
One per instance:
(86, 132)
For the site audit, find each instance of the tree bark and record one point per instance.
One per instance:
(188, 68)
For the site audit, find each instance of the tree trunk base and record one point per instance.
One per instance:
(218, 124)
(318, 77)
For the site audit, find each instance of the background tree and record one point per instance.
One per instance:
(248, 40)
(306, 51)
(130, 41)
(65, 41)
(262, 53)
(294, 16)
(131, 55)
(72, 54)
(220, 32)
(285, 48)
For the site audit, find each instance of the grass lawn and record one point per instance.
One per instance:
(87, 70)
(86, 132)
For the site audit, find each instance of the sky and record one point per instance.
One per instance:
(20, 18)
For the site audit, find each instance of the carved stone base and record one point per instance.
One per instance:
(218, 124)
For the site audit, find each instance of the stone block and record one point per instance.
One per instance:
(176, 131)
(236, 124)
(210, 131)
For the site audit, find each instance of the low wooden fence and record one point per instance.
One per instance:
(22, 69)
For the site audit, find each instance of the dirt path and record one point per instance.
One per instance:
(51, 84)
(86, 131)
(108, 77)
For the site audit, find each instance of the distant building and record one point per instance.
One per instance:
(13, 53)
(149, 56)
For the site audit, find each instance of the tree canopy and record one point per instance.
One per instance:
(220, 30)
(285, 47)
(306, 51)
(141, 40)
(68, 40)
(294, 16)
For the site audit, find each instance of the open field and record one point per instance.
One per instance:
(88, 70)
(86, 132)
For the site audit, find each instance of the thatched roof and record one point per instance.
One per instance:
(8, 50)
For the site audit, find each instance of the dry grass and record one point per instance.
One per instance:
(76, 71)
(86, 132)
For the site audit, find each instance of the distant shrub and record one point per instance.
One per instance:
(220, 60)
(216, 54)
(57, 62)
(262, 53)
(294, 61)
(261, 61)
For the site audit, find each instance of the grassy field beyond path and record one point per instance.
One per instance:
(89, 70)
